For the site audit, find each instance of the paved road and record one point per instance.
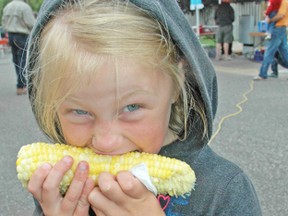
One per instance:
(17, 127)
(255, 139)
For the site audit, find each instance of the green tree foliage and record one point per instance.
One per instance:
(2, 4)
(35, 4)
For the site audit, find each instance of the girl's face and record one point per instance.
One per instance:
(120, 112)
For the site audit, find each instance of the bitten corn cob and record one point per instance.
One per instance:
(169, 176)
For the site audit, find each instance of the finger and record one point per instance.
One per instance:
(52, 182)
(111, 200)
(100, 203)
(83, 204)
(110, 188)
(37, 179)
(140, 198)
(131, 186)
(73, 195)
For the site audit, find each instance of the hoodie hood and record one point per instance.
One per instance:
(201, 72)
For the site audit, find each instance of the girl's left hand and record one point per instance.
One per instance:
(123, 195)
(44, 185)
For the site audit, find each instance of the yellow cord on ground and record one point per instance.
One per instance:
(240, 109)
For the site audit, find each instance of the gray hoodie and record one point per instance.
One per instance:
(221, 188)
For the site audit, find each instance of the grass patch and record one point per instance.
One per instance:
(207, 41)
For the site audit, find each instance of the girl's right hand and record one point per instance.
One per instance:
(123, 195)
(44, 186)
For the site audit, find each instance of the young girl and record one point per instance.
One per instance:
(119, 76)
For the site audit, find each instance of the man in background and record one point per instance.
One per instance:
(277, 44)
(224, 17)
(18, 20)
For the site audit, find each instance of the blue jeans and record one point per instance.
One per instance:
(274, 66)
(18, 41)
(278, 43)
(271, 25)
(279, 59)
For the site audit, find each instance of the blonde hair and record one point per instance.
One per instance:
(106, 30)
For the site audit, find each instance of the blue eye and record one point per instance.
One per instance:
(81, 112)
(131, 108)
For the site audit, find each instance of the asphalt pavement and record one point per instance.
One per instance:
(253, 136)
(256, 138)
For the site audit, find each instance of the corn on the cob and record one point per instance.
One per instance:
(169, 176)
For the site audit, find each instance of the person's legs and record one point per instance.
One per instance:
(226, 48)
(14, 50)
(228, 38)
(277, 38)
(274, 67)
(218, 51)
(226, 51)
(18, 43)
(230, 51)
(281, 57)
(219, 41)
(21, 55)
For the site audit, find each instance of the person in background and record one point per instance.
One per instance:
(224, 17)
(230, 51)
(18, 20)
(271, 11)
(277, 43)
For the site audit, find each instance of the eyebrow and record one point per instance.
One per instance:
(119, 98)
(72, 99)
(136, 92)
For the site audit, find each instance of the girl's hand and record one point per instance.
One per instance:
(44, 185)
(123, 195)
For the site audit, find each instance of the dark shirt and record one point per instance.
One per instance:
(224, 14)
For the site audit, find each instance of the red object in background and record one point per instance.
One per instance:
(201, 30)
(4, 41)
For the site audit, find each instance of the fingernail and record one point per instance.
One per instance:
(46, 166)
(67, 159)
(83, 166)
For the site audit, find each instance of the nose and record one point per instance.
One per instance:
(106, 138)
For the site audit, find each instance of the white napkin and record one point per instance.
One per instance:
(140, 171)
